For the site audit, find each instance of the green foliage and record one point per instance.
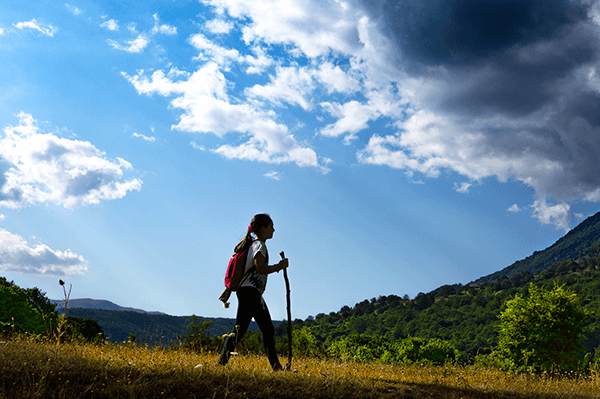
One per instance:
(83, 330)
(366, 349)
(543, 332)
(359, 347)
(198, 338)
(305, 344)
(422, 350)
(25, 310)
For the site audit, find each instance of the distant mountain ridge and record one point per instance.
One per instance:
(583, 240)
(88, 303)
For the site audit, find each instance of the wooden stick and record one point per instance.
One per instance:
(289, 315)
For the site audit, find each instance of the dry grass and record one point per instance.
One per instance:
(42, 370)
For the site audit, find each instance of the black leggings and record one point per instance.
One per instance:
(251, 305)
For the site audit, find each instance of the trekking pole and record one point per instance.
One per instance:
(289, 315)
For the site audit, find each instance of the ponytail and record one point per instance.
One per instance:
(258, 221)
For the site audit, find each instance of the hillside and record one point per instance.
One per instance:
(467, 315)
(583, 240)
(87, 303)
(154, 329)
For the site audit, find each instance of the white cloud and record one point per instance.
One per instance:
(47, 30)
(558, 214)
(111, 24)
(141, 136)
(213, 52)
(136, 45)
(163, 29)
(2, 217)
(74, 10)
(514, 208)
(291, 85)
(197, 146)
(353, 117)
(45, 168)
(16, 255)
(219, 27)
(315, 27)
(1, 31)
(207, 108)
(273, 175)
(462, 188)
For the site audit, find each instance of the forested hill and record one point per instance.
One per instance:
(467, 315)
(582, 241)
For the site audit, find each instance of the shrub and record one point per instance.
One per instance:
(543, 332)
(422, 350)
(198, 339)
(364, 349)
(304, 343)
(25, 310)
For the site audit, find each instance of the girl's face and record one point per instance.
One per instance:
(268, 231)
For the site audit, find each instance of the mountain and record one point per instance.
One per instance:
(87, 303)
(467, 315)
(583, 240)
(154, 329)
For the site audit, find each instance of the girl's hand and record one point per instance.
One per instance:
(283, 264)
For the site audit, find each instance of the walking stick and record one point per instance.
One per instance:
(289, 315)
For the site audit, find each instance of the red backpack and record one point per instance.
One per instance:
(235, 270)
(234, 275)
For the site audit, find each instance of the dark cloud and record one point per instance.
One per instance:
(523, 76)
(437, 32)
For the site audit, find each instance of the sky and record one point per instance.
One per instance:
(398, 146)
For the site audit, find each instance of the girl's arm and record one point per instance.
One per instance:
(262, 268)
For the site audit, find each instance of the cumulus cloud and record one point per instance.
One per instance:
(219, 26)
(34, 25)
(207, 108)
(16, 255)
(136, 45)
(514, 208)
(163, 29)
(41, 167)
(111, 24)
(502, 89)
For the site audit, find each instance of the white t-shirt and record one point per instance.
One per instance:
(255, 279)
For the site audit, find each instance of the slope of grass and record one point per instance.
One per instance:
(31, 369)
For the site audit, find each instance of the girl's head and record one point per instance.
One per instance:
(259, 222)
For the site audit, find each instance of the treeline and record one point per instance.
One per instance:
(464, 315)
(152, 329)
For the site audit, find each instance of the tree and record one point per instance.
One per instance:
(25, 310)
(543, 332)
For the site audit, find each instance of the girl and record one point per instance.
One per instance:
(250, 301)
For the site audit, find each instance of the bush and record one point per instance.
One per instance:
(543, 332)
(422, 350)
(364, 349)
(25, 310)
(304, 343)
(359, 347)
(198, 338)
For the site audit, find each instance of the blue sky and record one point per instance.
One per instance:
(398, 146)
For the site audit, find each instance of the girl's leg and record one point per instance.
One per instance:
(263, 319)
(245, 312)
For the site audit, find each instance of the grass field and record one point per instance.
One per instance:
(30, 369)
